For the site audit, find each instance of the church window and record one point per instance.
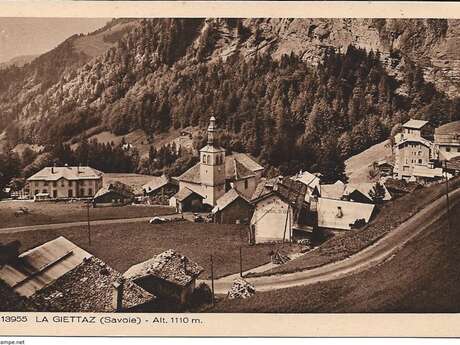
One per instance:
(245, 184)
(205, 159)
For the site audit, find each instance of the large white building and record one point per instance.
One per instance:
(65, 182)
(216, 173)
(412, 148)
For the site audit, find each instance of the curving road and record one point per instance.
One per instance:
(372, 255)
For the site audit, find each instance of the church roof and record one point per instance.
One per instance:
(237, 166)
(191, 175)
(212, 149)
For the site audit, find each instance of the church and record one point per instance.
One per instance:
(217, 174)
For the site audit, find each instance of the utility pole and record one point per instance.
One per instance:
(447, 196)
(212, 282)
(89, 225)
(241, 262)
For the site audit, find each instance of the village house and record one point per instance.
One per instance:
(311, 181)
(169, 276)
(65, 182)
(412, 148)
(160, 189)
(425, 175)
(232, 208)
(186, 200)
(279, 208)
(212, 176)
(447, 140)
(116, 193)
(384, 167)
(361, 192)
(343, 215)
(62, 277)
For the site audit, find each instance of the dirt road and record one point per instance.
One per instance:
(380, 251)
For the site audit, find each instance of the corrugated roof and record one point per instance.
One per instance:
(416, 124)
(68, 173)
(330, 216)
(169, 266)
(42, 266)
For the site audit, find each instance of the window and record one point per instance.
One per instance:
(447, 149)
(55, 194)
(45, 183)
(44, 191)
(82, 192)
(36, 183)
(82, 182)
(246, 184)
(70, 183)
(54, 183)
(205, 159)
(458, 149)
(90, 191)
(70, 193)
(62, 183)
(36, 191)
(419, 161)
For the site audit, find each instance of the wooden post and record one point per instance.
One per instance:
(447, 196)
(241, 262)
(89, 225)
(212, 281)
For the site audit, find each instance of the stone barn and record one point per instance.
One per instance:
(169, 276)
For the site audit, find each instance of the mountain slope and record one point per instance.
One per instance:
(290, 91)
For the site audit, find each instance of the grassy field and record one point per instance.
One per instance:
(340, 247)
(422, 277)
(62, 212)
(136, 181)
(122, 245)
(357, 167)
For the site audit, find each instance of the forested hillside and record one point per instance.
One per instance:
(284, 107)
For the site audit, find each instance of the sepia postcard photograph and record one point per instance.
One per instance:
(182, 173)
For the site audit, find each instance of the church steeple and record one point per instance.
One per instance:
(211, 130)
(212, 166)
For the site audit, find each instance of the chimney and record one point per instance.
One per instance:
(9, 252)
(117, 288)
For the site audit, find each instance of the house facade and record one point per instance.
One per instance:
(447, 140)
(217, 172)
(412, 148)
(65, 182)
(232, 208)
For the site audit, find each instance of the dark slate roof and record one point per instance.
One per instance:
(169, 266)
(88, 288)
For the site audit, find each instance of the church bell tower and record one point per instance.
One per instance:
(212, 167)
